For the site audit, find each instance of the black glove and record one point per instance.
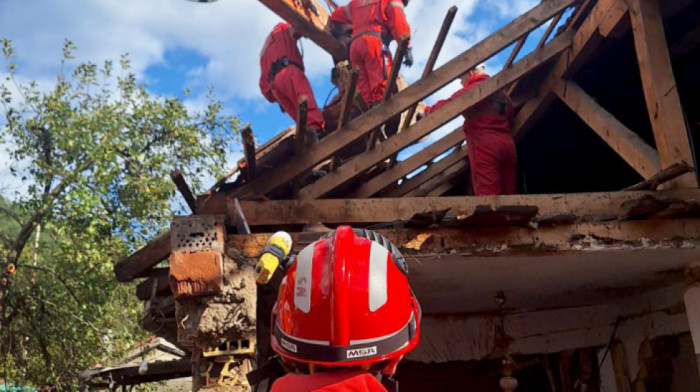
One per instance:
(408, 57)
(420, 116)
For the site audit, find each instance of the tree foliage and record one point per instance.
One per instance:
(95, 152)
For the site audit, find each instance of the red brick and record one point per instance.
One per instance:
(196, 273)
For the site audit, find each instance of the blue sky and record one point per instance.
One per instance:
(175, 44)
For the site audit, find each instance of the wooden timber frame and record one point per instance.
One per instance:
(403, 199)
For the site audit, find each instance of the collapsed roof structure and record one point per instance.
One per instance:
(586, 278)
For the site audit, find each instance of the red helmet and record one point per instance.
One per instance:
(346, 301)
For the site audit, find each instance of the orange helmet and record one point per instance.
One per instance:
(346, 301)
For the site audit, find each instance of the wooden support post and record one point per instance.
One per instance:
(421, 128)
(642, 157)
(390, 85)
(300, 132)
(249, 151)
(434, 53)
(348, 99)
(660, 88)
(158, 282)
(383, 180)
(433, 170)
(184, 189)
(411, 95)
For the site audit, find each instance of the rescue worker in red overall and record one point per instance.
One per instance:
(345, 315)
(374, 24)
(487, 129)
(282, 77)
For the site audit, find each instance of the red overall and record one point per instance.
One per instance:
(289, 83)
(371, 18)
(490, 145)
(338, 381)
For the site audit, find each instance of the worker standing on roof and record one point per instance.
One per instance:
(374, 24)
(487, 129)
(282, 77)
(345, 315)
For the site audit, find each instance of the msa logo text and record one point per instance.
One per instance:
(362, 352)
(288, 345)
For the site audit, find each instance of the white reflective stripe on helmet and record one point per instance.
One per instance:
(378, 262)
(302, 282)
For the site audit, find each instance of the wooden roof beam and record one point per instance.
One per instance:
(660, 90)
(403, 100)
(642, 157)
(363, 211)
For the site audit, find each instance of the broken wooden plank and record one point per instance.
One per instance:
(421, 128)
(249, 151)
(487, 216)
(351, 211)
(138, 263)
(434, 169)
(158, 279)
(668, 174)
(403, 168)
(637, 153)
(660, 90)
(300, 131)
(184, 189)
(411, 95)
(432, 58)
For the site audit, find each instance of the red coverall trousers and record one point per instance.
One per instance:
(338, 381)
(493, 161)
(287, 87)
(375, 67)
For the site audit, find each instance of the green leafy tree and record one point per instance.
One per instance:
(95, 152)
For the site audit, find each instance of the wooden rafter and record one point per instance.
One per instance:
(411, 95)
(383, 180)
(451, 110)
(444, 177)
(642, 157)
(434, 170)
(660, 90)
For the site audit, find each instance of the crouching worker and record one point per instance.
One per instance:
(487, 129)
(345, 315)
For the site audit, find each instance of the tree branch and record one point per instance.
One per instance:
(11, 214)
